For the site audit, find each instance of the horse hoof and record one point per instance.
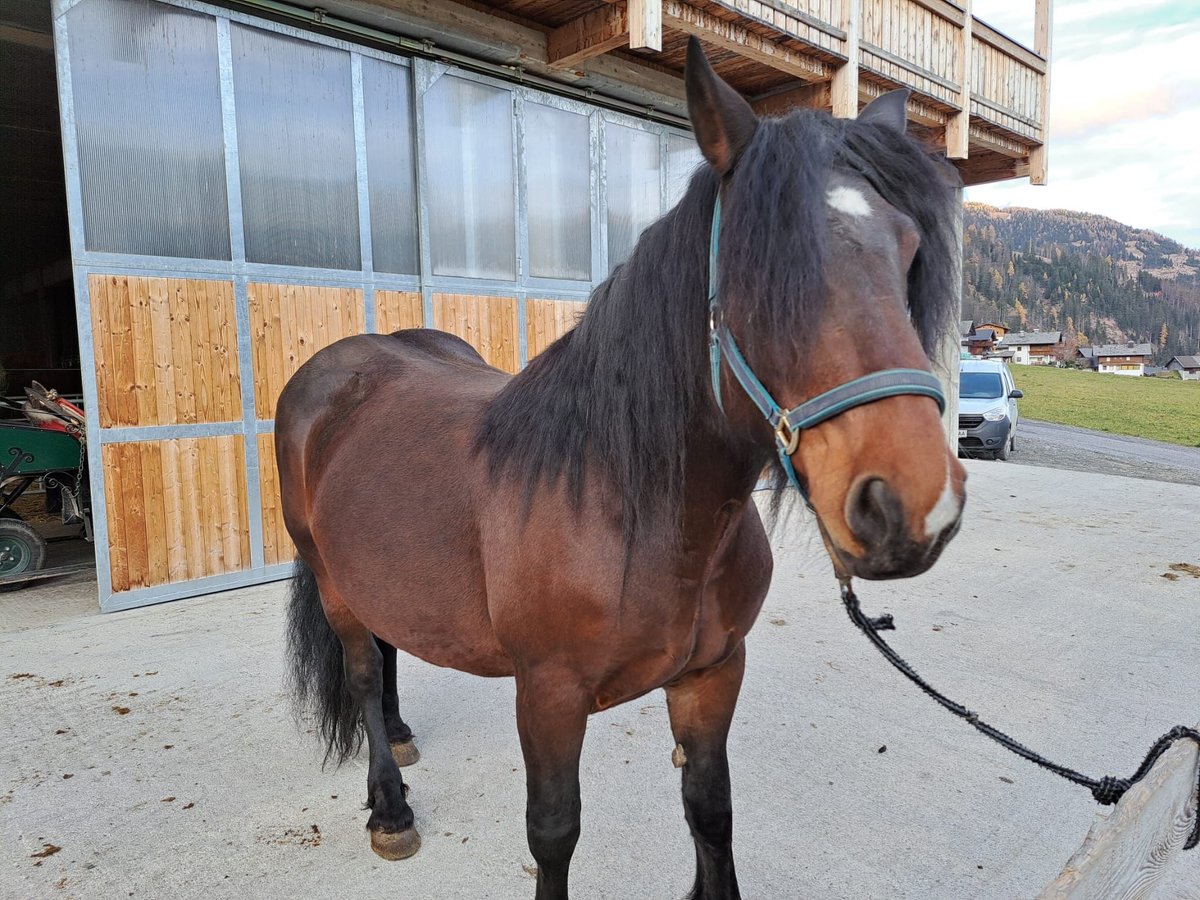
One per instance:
(393, 845)
(405, 754)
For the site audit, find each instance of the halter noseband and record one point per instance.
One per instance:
(788, 423)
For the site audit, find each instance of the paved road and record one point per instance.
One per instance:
(1066, 447)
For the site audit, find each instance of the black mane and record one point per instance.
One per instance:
(621, 391)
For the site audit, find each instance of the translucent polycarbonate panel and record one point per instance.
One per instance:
(683, 157)
(558, 175)
(295, 124)
(387, 102)
(632, 186)
(469, 158)
(147, 99)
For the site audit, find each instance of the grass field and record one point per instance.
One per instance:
(1158, 408)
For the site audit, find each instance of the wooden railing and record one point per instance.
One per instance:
(925, 45)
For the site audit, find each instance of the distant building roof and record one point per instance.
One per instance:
(1187, 362)
(1129, 348)
(1032, 338)
(1085, 352)
(1002, 354)
(983, 334)
(965, 327)
(999, 325)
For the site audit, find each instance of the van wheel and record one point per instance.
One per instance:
(1002, 453)
(1012, 443)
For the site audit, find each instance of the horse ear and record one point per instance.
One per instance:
(723, 122)
(889, 110)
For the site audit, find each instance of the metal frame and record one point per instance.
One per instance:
(424, 73)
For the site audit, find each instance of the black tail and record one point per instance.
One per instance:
(317, 677)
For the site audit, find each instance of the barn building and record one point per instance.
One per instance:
(202, 194)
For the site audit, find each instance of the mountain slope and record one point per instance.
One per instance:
(1089, 276)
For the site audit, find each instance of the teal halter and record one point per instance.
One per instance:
(788, 423)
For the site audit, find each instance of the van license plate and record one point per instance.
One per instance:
(962, 432)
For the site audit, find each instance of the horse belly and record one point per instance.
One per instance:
(393, 519)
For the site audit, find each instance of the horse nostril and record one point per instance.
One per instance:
(874, 513)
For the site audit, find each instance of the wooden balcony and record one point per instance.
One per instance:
(977, 93)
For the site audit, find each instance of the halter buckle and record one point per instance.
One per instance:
(787, 439)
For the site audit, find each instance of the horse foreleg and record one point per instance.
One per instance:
(399, 735)
(701, 708)
(391, 821)
(551, 720)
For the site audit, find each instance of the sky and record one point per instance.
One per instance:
(1124, 111)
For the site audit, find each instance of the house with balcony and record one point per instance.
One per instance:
(1032, 348)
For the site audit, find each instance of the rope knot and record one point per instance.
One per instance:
(1109, 790)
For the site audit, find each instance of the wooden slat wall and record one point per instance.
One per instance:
(166, 350)
(928, 43)
(288, 324)
(1012, 89)
(489, 324)
(548, 320)
(277, 545)
(177, 510)
(395, 310)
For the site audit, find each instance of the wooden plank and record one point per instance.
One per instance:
(112, 458)
(277, 544)
(592, 34)
(809, 96)
(1043, 28)
(1126, 853)
(958, 128)
(142, 358)
(489, 324)
(645, 25)
(844, 90)
(397, 310)
(192, 532)
(137, 539)
(102, 330)
(153, 504)
(173, 507)
(741, 41)
(548, 320)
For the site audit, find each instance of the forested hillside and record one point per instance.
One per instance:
(1088, 276)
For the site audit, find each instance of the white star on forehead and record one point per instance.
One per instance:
(848, 200)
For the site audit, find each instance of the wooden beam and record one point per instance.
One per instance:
(810, 96)
(1043, 27)
(1125, 854)
(480, 33)
(745, 43)
(592, 34)
(845, 79)
(14, 34)
(958, 129)
(985, 168)
(645, 25)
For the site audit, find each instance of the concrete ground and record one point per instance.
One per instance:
(151, 753)
(1085, 450)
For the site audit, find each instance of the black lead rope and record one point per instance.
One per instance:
(1107, 790)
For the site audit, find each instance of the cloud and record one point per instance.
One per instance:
(1124, 114)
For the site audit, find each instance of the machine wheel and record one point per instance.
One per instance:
(1002, 453)
(21, 550)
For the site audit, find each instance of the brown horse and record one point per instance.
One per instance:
(586, 526)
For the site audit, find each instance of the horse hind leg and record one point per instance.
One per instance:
(399, 735)
(391, 821)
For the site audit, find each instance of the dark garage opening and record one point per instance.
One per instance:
(38, 337)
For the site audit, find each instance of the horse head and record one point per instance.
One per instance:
(834, 261)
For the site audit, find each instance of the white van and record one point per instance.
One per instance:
(987, 408)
